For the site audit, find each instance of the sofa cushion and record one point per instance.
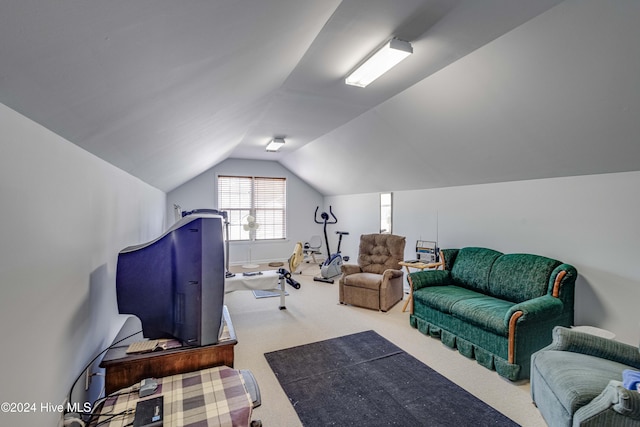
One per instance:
(576, 378)
(363, 280)
(442, 298)
(521, 277)
(485, 312)
(472, 267)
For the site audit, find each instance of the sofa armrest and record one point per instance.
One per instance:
(565, 339)
(422, 279)
(542, 307)
(562, 281)
(350, 269)
(614, 397)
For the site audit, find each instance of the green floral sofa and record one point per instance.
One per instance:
(499, 308)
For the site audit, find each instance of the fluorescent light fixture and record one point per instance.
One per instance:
(275, 144)
(387, 57)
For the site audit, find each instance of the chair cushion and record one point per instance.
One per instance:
(575, 378)
(442, 298)
(380, 252)
(363, 280)
(485, 311)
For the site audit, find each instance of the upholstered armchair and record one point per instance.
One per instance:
(578, 379)
(376, 282)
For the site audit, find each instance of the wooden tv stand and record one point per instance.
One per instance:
(123, 370)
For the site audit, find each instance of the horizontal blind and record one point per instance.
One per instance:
(270, 200)
(234, 197)
(264, 198)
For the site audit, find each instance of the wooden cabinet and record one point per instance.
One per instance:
(123, 370)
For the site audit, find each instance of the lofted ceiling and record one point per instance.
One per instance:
(496, 90)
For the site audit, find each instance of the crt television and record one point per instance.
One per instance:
(175, 283)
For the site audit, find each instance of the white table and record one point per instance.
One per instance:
(268, 280)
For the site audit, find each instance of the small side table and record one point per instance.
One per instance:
(418, 266)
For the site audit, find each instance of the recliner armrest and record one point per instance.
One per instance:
(565, 339)
(350, 269)
(392, 274)
(388, 276)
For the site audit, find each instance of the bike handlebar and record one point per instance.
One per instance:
(325, 217)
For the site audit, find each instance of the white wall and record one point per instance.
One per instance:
(590, 222)
(302, 199)
(65, 216)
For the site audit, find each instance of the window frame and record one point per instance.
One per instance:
(386, 212)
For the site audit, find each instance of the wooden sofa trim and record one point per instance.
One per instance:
(512, 334)
(410, 295)
(556, 285)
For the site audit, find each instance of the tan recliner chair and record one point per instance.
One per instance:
(376, 282)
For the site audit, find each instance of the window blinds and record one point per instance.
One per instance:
(263, 198)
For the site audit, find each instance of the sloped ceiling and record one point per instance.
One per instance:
(497, 90)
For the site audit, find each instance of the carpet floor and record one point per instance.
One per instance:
(363, 379)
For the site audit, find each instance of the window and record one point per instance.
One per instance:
(263, 198)
(386, 213)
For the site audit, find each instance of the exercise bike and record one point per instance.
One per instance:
(331, 266)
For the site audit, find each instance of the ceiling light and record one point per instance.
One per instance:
(275, 144)
(387, 57)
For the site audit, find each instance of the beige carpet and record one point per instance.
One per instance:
(313, 314)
